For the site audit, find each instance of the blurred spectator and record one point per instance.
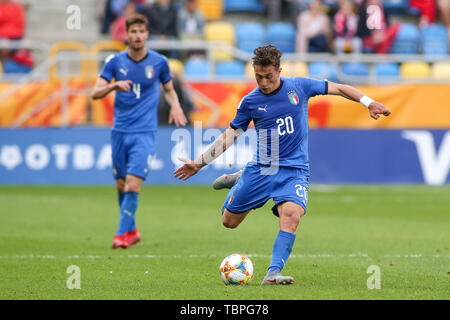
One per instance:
(427, 9)
(374, 28)
(162, 18)
(12, 27)
(444, 12)
(12, 20)
(118, 29)
(184, 98)
(313, 27)
(114, 9)
(345, 29)
(275, 8)
(191, 22)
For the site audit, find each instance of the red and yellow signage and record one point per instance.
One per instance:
(413, 105)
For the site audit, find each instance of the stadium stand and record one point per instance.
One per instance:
(196, 67)
(434, 39)
(243, 5)
(300, 69)
(282, 35)
(440, 70)
(243, 25)
(407, 40)
(230, 68)
(413, 69)
(212, 9)
(220, 31)
(387, 70)
(323, 70)
(250, 35)
(396, 6)
(176, 66)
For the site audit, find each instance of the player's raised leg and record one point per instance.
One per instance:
(232, 220)
(290, 214)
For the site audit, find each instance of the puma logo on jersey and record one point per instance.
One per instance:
(124, 71)
(263, 109)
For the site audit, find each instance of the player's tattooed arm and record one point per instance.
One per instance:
(375, 108)
(217, 148)
(102, 87)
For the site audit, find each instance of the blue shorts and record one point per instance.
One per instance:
(132, 153)
(257, 185)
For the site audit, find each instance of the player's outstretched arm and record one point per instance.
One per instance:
(375, 108)
(176, 112)
(102, 87)
(218, 147)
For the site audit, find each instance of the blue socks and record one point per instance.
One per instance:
(282, 249)
(128, 207)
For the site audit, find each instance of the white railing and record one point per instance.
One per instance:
(210, 47)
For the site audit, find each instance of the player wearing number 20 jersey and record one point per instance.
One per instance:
(280, 169)
(280, 117)
(280, 166)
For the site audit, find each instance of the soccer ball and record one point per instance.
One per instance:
(236, 269)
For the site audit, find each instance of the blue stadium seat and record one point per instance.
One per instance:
(10, 66)
(196, 67)
(250, 35)
(230, 68)
(243, 5)
(407, 40)
(396, 6)
(355, 69)
(322, 70)
(434, 39)
(282, 35)
(387, 71)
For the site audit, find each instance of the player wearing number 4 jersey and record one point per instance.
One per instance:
(279, 170)
(138, 74)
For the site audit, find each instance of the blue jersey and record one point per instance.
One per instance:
(281, 121)
(137, 110)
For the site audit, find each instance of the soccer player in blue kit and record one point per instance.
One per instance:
(138, 73)
(280, 167)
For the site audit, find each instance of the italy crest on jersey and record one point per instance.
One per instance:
(149, 72)
(293, 97)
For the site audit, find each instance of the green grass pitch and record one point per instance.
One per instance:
(404, 230)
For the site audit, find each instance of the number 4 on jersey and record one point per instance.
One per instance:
(137, 90)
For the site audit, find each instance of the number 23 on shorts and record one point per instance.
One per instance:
(301, 191)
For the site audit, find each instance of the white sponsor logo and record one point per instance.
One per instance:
(263, 109)
(124, 71)
(435, 163)
(39, 157)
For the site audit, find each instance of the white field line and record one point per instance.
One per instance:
(254, 255)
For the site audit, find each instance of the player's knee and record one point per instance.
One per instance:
(133, 184)
(229, 224)
(132, 187)
(291, 215)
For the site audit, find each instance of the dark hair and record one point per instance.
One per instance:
(136, 19)
(266, 56)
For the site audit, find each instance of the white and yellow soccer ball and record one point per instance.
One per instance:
(236, 269)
